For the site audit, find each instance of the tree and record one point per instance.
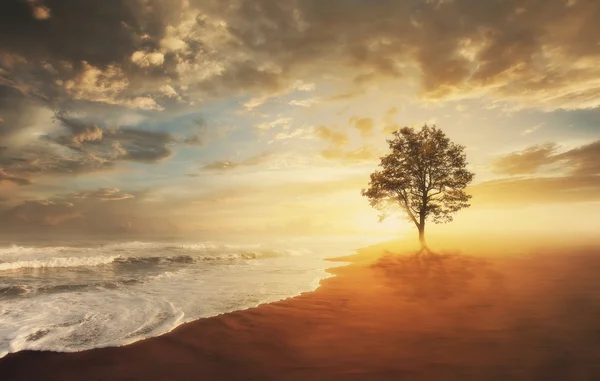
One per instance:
(424, 174)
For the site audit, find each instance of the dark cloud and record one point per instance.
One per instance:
(141, 146)
(13, 179)
(533, 50)
(115, 144)
(14, 109)
(95, 32)
(81, 147)
(80, 133)
(517, 49)
(44, 158)
(89, 60)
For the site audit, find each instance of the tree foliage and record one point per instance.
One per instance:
(424, 175)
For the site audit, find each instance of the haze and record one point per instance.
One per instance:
(263, 118)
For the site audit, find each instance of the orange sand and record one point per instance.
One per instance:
(454, 317)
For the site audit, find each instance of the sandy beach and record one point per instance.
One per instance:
(383, 317)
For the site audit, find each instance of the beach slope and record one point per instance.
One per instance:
(387, 316)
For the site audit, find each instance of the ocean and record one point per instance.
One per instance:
(75, 297)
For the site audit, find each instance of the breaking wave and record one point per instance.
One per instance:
(57, 262)
(117, 293)
(11, 291)
(46, 257)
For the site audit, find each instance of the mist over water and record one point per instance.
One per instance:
(72, 297)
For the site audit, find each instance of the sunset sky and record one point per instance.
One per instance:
(266, 117)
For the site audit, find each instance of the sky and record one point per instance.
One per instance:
(146, 117)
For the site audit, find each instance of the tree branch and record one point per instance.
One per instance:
(407, 207)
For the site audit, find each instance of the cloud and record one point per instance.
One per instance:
(527, 161)
(13, 179)
(283, 123)
(226, 165)
(583, 160)
(533, 129)
(194, 140)
(104, 194)
(366, 126)
(276, 90)
(40, 12)
(147, 59)
(532, 53)
(305, 102)
(335, 137)
(304, 86)
(579, 183)
(75, 147)
(306, 133)
(389, 121)
(74, 30)
(512, 51)
(114, 144)
(337, 141)
(82, 133)
(109, 85)
(162, 60)
(169, 91)
(41, 212)
(389, 129)
(100, 211)
(288, 190)
(391, 113)
(361, 155)
(348, 95)
(541, 190)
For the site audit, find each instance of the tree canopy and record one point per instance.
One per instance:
(424, 175)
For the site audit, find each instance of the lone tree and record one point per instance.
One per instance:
(424, 174)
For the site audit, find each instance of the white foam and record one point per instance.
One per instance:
(137, 245)
(21, 250)
(125, 312)
(58, 262)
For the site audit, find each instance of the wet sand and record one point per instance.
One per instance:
(384, 317)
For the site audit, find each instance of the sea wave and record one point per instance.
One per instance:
(23, 250)
(19, 290)
(140, 289)
(65, 262)
(58, 262)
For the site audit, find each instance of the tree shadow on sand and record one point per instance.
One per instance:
(435, 276)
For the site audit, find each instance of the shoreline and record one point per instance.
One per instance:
(446, 318)
(310, 287)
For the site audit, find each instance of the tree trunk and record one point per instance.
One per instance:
(422, 237)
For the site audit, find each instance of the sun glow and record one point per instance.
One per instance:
(390, 227)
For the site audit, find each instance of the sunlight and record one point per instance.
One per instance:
(224, 165)
(392, 227)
